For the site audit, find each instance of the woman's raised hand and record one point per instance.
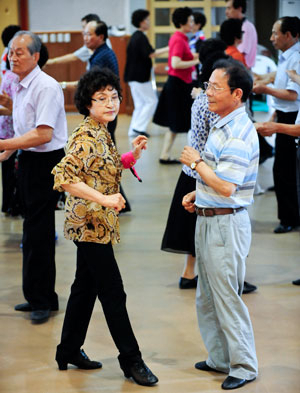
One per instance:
(139, 143)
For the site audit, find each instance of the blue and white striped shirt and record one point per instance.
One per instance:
(232, 152)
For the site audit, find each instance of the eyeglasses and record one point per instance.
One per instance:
(214, 89)
(103, 101)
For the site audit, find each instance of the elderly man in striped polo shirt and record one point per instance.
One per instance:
(226, 175)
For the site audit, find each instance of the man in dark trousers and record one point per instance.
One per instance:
(40, 135)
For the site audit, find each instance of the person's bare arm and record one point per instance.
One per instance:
(82, 190)
(6, 101)
(265, 78)
(283, 94)
(221, 186)
(159, 52)
(177, 63)
(269, 128)
(294, 76)
(68, 58)
(35, 137)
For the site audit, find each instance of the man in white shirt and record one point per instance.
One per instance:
(236, 9)
(40, 134)
(286, 93)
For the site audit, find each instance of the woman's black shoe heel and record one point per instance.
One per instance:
(81, 361)
(62, 366)
(140, 373)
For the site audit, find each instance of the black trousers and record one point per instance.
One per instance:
(284, 172)
(97, 274)
(38, 202)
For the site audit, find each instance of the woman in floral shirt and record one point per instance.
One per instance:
(91, 172)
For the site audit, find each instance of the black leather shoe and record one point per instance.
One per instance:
(204, 367)
(140, 373)
(27, 307)
(234, 383)
(81, 360)
(248, 288)
(296, 282)
(283, 228)
(39, 316)
(187, 283)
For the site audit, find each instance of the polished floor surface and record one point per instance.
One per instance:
(163, 316)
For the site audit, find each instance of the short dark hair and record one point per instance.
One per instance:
(101, 28)
(238, 76)
(230, 30)
(180, 16)
(239, 3)
(8, 33)
(138, 16)
(92, 81)
(90, 17)
(199, 18)
(291, 24)
(211, 50)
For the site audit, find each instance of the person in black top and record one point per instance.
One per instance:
(138, 73)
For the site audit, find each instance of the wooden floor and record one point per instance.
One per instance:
(163, 316)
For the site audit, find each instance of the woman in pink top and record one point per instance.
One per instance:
(174, 106)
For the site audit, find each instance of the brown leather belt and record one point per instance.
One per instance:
(216, 211)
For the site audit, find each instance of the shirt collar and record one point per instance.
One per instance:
(182, 35)
(29, 78)
(225, 120)
(286, 54)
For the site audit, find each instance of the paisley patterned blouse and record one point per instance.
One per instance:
(92, 158)
(202, 121)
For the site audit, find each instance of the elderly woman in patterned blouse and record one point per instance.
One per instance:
(91, 172)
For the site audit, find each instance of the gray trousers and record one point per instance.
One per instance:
(222, 245)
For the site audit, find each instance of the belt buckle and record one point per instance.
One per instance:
(203, 212)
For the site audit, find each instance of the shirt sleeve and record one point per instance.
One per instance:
(294, 65)
(249, 38)
(145, 48)
(233, 161)
(178, 49)
(83, 54)
(80, 156)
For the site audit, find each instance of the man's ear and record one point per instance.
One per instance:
(36, 56)
(238, 94)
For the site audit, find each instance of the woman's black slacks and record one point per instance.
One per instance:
(97, 274)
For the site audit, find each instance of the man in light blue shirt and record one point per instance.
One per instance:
(226, 175)
(286, 93)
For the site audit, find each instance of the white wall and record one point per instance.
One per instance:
(47, 15)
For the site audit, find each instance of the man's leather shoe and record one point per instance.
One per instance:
(204, 367)
(140, 373)
(296, 282)
(27, 307)
(234, 383)
(39, 316)
(188, 283)
(283, 228)
(81, 360)
(248, 288)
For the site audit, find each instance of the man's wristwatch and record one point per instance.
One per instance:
(195, 163)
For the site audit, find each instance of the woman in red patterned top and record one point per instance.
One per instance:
(174, 106)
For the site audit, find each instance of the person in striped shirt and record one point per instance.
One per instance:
(226, 176)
